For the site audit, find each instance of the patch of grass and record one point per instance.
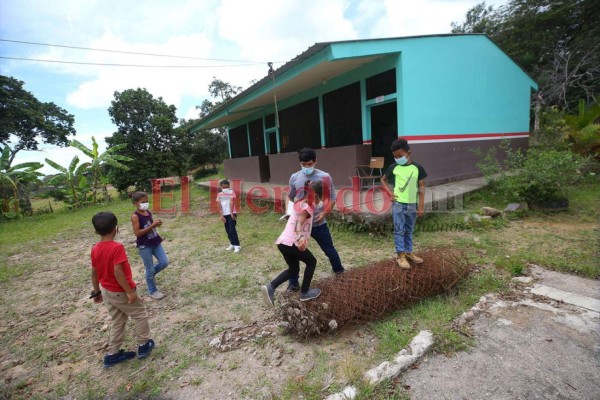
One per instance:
(435, 314)
(310, 385)
(386, 390)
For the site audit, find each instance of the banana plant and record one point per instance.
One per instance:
(74, 178)
(109, 157)
(11, 177)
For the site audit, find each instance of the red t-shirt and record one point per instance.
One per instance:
(105, 255)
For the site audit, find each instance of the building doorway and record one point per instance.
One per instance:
(272, 142)
(384, 130)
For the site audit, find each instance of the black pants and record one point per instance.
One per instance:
(230, 224)
(292, 257)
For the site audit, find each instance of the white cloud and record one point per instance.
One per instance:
(279, 30)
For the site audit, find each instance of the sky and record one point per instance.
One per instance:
(229, 39)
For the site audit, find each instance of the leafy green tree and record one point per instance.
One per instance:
(99, 160)
(25, 121)
(75, 179)
(145, 126)
(11, 179)
(556, 41)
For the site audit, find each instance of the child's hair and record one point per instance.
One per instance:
(310, 189)
(400, 144)
(104, 222)
(136, 196)
(224, 182)
(307, 154)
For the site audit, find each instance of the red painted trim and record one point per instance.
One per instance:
(461, 136)
(366, 142)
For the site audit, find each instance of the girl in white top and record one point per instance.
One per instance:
(293, 242)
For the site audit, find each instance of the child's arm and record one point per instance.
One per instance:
(231, 203)
(386, 189)
(421, 208)
(120, 276)
(96, 285)
(135, 221)
(300, 238)
(221, 216)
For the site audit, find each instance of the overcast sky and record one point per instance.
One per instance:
(241, 36)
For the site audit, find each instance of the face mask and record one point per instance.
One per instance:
(308, 170)
(226, 190)
(319, 204)
(401, 161)
(144, 206)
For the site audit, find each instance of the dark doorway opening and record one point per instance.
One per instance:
(272, 142)
(384, 130)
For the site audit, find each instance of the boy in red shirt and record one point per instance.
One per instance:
(110, 268)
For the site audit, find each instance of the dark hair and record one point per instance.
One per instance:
(400, 144)
(307, 154)
(104, 222)
(224, 182)
(136, 196)
(311, 188)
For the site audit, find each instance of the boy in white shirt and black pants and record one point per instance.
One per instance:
(226, 199)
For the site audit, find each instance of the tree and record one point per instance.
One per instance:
(11, 180)
(219, 90)
(74, 178)
(24, 120)
(99, 160)
(146, 126)
(556, 41)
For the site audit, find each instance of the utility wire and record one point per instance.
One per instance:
(127, 65)
(133, 52)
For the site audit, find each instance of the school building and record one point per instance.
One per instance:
(446, 94)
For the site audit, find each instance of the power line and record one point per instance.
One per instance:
(128, 65)
(133, 52)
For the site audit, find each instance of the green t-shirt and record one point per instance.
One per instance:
(405, 179)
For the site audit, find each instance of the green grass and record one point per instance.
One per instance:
(565, 241)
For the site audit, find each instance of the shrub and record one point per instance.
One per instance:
(544, 175)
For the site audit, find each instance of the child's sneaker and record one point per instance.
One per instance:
(311, 294)
(156, 295)
(292, 288)
(145, 349)
(231, 247)
(236, 249)
(114, 359)
(268, 294)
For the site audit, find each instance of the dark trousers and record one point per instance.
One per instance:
(230, 224)
(292, 257)
(323, 238)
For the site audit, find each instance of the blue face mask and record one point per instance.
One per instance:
(401, 161)
(308, 170)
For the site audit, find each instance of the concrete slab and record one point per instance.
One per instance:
(568, 283)
(568, 297)
(523, 352)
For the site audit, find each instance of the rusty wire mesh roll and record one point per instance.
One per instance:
(367, 293)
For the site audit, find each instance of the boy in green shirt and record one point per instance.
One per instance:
(407, 178)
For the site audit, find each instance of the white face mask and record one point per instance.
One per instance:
(144, 206)
(319, 204)
(227, 190)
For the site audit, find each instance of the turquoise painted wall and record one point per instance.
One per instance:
(445, 84)
(464, 84)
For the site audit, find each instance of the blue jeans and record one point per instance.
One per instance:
(152, 269)
(405, 216)
(323, 238)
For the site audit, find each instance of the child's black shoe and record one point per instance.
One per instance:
(311, 294)
(145, 349)
(114, 359)
(268, 294)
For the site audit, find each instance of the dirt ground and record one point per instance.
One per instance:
(54, 337)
